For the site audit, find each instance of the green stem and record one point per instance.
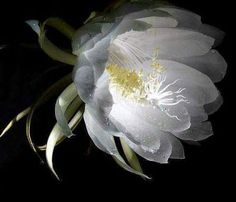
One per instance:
(60, 25)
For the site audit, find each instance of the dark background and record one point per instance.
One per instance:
(207, 169)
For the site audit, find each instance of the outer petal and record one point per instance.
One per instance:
(177, 148)
(161, 155)
(197, 132)
(170, 43)
(198, 114)
(184, 17)
(214, 32)
(84, 79)
(191, 20)
(199, 89)
(87, 36)
(100, 137)
(214, 106)
(144, 124)
(104, 140)
(137, 130)
(212, 64)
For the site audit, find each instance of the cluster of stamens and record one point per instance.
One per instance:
(145, 88)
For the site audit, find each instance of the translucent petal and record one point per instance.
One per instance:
(214, 106)
(160, 155)
(214, 32)
(170, 43)
(184, 17)
(212, 64)
(198, 114)
(191, 20)
(34, 24)
(197, 132)
(156, 22)
(137, 129)
(199, 89)
(87, 36)
(177, 148)
(84, 81)
(105, 140)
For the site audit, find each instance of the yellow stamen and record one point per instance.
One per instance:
(125, 80)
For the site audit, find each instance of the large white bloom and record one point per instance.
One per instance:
(146, 73)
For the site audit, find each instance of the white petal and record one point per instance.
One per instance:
(214, 32)
(136, 129)
(161, 155)
(155, 18)
(177, 148)
(197, 132)
(191, 20)
(170, 43)
(84, 81)
(214, 106)
(199, 89)
(198, 114)
(105, 140)
(34, 24)
(159, 21)
(97, 56)
(144, 124)
(185, 18)
(212, 64)
(87, 36)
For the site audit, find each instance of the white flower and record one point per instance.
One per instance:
(146, 74)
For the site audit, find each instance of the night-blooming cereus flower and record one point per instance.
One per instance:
(146, 73)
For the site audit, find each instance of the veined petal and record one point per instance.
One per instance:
(105, 140)
(198, 114)
(184, 17)
(199, 89)
(214, 32)
(160, 155)
(145, 121)
(177, 151)
(84, 81)
(169, 42)
(191, 20)
(197, 132)
(212, 64)
(214, 106)
(87, 36)
(156, 21)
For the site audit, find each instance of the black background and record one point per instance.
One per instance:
(207, 169)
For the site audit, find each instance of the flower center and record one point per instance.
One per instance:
(142, 86)
(127, 82)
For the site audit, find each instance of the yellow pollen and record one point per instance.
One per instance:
(125, 80)
(155, 63)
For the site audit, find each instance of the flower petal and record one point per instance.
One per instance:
(177, 148)
(184, 17)
(199, 89)
(160, 155)
(170, 43)
(212, 64)
(197, 132)
(144, 124)
(214, 32)
(87, 36)
(214, 106)
(105, 140)
(156, 21)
